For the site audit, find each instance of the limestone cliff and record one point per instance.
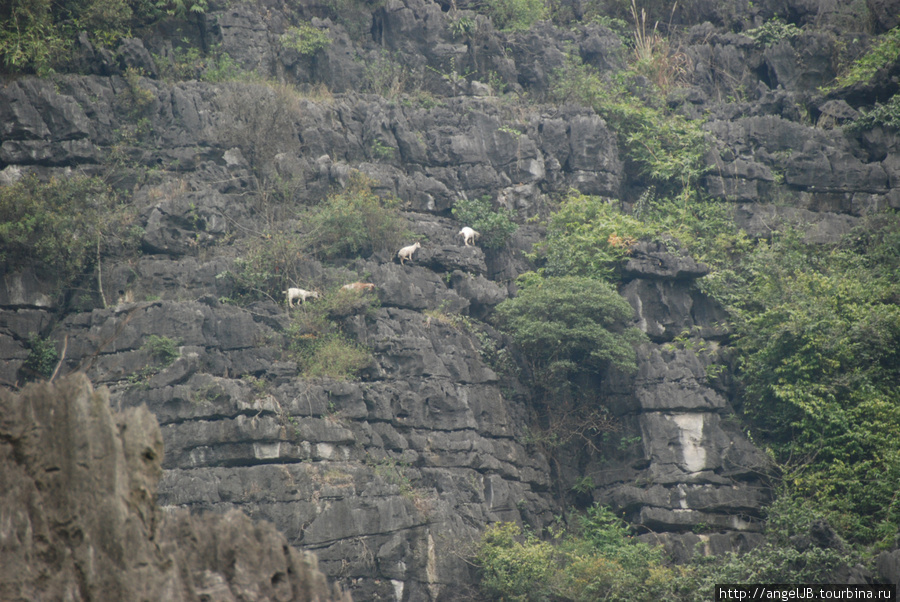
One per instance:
(391, 478)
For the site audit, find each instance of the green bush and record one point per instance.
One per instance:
(315, 338)
(495, 227)
(597, 558)
(772, 31)
(162, 349)
(36, 36)
(515, 15)
(331, 355)
(818, 333)
(588, 236)
(60, 224)
(355, 222)
(42, 358)
(267, 267)
(568, 324)
(881, 115)
(884, 51)
(666, 148)
(305, 39)
(512, 569)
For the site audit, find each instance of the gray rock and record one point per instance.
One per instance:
(84, 470)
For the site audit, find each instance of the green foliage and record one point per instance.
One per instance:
(162, 349)
(305, 39)
(59, 224)
(268, 266)
(598, 559)
(818, 332)
(588, 236)
(30, 41)
(568, 324)
(772, 31)
(42, 358)
(186, 63)
(495, 227)
(462, 27)
(515, 15)
(316, 341)
(882, 115)
(355, 222)
(515, 567)
(666, 148)
(36, 36)
(884, 51)
(182, 8)
(332, 356)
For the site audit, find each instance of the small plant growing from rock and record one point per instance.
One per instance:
(306, 39)
(42, 358)
(162, 349)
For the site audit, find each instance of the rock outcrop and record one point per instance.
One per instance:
(81, 521)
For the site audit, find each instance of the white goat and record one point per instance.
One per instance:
(407, 252)
(469, 236)
(299, 293)
(359, 286)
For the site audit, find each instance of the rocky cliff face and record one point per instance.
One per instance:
(390, 479)
(80, 519)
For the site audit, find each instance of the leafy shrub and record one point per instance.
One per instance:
(495, 227)
(182, 8)
(884, 51)
(666, 148)
(355, 222)
(818, 332)
(515, 15)
(567, 324)
(588, 236)
(512, 569)
(60, 224)
(315, 338)
(597, 558)
(42, 358)
(37, 35)
(772, 31)
(267, 267)
(186, 63)
(305, 39)
(162, 349)
(881, 115)
(332, 355)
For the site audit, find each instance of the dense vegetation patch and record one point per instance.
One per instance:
(36, 36)
(597, 557)
(818, 335)
(317, 341)
(884, 51)
(570, 324)
(355, 222)
(665, 149)
(62, 224)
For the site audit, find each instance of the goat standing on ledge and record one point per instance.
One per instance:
(469, 236)
(299, 293)
(407, 252)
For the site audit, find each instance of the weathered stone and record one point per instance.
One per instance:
(71, 467)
